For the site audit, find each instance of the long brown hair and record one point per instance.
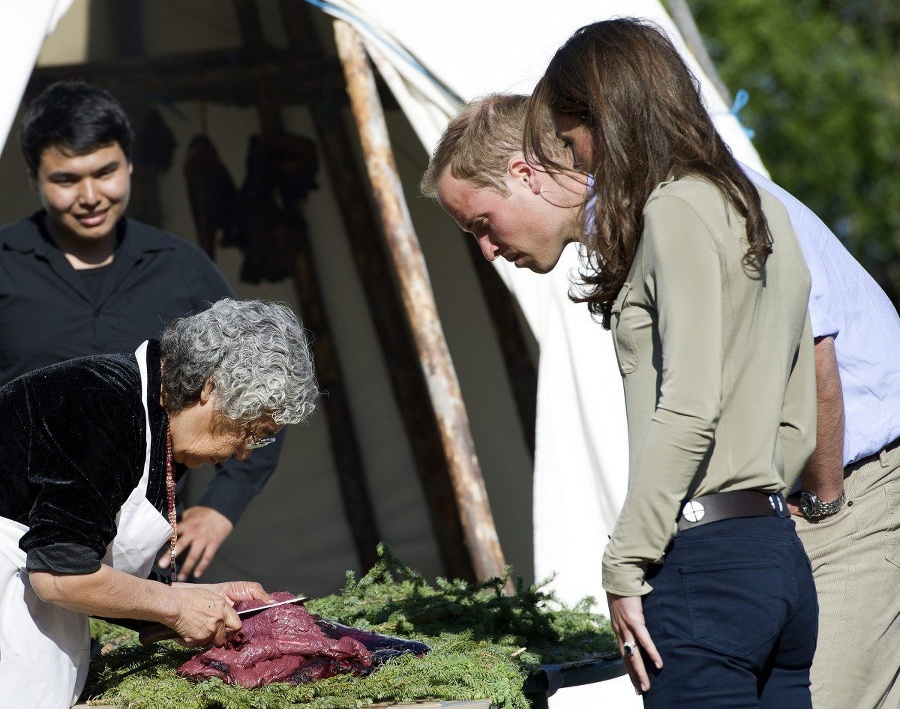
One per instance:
(627, 83)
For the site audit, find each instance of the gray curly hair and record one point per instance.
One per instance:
(256, 354)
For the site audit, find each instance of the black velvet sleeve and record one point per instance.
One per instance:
(72, 443)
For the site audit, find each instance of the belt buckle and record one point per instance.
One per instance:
(775, 501)
(693, 511)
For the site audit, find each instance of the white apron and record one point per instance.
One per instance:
(45, 649)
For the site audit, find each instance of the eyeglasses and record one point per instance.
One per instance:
(257, 442)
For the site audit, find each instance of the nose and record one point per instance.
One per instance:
(88, 195)
(489, 249)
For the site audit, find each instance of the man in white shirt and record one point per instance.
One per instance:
(849, 517)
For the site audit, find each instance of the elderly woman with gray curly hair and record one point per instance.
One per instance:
(90, 452)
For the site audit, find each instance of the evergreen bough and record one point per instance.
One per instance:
(483, 645)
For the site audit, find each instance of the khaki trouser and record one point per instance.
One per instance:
(855, 558)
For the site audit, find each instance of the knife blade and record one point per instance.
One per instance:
(253, 611)
(157, 631)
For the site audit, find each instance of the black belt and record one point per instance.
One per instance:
(729, 505)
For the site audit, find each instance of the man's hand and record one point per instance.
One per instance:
(627, 616)
(201, 532)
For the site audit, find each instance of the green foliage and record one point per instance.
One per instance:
(456, 668)
(824, 84)
(394, 599)
(482, 646)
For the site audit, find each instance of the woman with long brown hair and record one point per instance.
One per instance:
(701, 278)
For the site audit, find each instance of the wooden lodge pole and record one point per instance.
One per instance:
(684, 21)
(418, 299)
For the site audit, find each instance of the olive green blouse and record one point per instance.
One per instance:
(717, 363)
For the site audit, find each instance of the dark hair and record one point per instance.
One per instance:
(75, 116)
(626, 82)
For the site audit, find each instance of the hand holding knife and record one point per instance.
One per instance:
(157, 631)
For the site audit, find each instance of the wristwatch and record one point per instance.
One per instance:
(814, 508)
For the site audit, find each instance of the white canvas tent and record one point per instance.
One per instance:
(431, 55)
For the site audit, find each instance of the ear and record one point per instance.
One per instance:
(206, 392)
(520, 170)
(130, 167)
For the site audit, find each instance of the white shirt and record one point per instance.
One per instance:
(846, 303)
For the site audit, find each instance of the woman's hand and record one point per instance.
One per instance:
(627, 616)
(241, 591)
(205, 613)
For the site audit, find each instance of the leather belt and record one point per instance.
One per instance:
(729, 505)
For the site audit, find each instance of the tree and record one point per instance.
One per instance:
(824, 84)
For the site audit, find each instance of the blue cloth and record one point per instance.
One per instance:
(846, 303)
(733, 614)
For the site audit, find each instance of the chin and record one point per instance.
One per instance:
(189, 461)
(538, 268)
(545, 266)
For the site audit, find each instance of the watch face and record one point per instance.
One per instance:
(808, 504)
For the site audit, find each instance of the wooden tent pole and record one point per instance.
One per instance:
(128, 34)
(684, 21)
(418, 299)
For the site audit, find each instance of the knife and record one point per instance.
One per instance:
(157, 631)
(253, 611)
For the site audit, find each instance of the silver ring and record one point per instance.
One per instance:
(629, 648)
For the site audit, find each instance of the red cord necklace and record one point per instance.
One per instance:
(170, 499)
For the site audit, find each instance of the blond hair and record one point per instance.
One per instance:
(478, 143)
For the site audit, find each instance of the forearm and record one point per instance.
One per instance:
(108, 593)
(824, 471)
(673, 450)
(797, 430)
(200, 614)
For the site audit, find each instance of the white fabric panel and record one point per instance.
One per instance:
(23, 28)
(474, 47)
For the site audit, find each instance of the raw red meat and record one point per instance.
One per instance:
(287, 644)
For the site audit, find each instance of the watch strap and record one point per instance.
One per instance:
(824, 509)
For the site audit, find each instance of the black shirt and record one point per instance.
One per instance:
(94, 280)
